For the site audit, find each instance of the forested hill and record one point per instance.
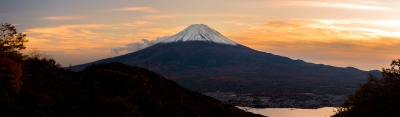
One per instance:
(35, 85)
(112, 89)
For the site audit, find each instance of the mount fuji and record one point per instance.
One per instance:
(199, 32)
(202, 59)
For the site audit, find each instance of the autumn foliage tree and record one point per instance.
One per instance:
(11, 43)
(10, 73)
(379, 97)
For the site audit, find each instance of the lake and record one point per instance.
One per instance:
(292, 112)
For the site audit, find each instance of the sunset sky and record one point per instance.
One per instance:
(361, 33)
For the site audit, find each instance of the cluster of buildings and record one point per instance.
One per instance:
(302, 100)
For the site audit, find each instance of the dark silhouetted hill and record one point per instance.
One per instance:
(112, 89)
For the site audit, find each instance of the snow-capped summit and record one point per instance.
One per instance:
(199, 32)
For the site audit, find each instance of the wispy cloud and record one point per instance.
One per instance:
(149, 33)
(234, 23)
(228, 15)
(374, 27)
(138, 23)
(93, 36)
(161, 16)
(330, 4)
(143, 9)
(219, 15)
(65, 30)
(78, 43)
(388, 23)
(133, 25)
(135, 46)
(61, 18)
(334, 42)
(65, 36)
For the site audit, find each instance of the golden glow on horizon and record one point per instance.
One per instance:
(360, 33)
(321, 42)
(294, 37)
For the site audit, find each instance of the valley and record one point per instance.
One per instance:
(305, 100)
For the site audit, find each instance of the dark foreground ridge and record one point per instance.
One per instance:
(112, 89)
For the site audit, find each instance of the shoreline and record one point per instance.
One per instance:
(291, 112)
(290, 108)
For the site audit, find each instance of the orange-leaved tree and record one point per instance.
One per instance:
(10, 73)
(11, 42)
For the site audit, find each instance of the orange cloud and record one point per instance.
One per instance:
(64, 31)
(64, 37)
(234, 23)
(161, 16)
(321, 42)
(220, 15)
(138, 23)
(91, 38)
(334, 4)
(314, 30)
(60, 18)
(370, 5)
(143, 9)
(227, 15)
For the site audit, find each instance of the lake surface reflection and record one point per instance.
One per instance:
(292, 112)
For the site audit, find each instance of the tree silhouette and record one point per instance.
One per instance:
(377, 97)
(10, 40)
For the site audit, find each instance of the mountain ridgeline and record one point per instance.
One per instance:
(201, 59)
(112, 89)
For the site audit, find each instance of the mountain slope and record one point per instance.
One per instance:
(153, 94)
(105, 90)
(204, 65)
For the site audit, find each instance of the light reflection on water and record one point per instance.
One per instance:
(291, 112)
